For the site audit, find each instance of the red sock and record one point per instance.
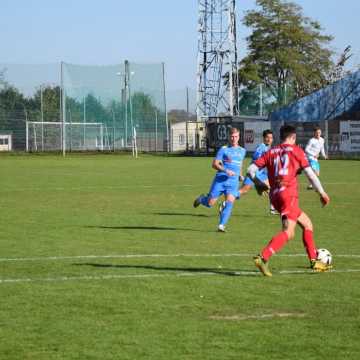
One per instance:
(309, 244)
(275, 244)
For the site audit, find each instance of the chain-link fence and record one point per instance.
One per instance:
(342, 136)
(335, 108)
(261, 100)
(67, 107)
(188, 137)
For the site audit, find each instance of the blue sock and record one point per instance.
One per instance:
(225, 214)
(204, 201)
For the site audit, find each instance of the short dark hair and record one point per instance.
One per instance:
(286, 131)
(316, 128)
(267, 132)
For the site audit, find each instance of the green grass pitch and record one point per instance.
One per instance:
(69, 288)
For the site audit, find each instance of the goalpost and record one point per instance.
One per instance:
(79, 136)
(134, 148)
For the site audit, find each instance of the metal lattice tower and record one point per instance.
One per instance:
(217, 77)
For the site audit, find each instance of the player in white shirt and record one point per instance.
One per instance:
(313, 149)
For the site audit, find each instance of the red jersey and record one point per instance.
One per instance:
(283, 163)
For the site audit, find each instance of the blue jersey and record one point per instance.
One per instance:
(262, 173)
(259, 152)
(232, 158)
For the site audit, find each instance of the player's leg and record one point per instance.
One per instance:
(311, 163)
(309, 243)
(274, 246)
(222, 205)
(202, 199)
(290, 211)
(273, 211)
(226, 212)
(243, 190)
(280, 239)
(263, 177)
(210, 199)
(316, 167)
(308, 237)
(205, 200)
(247, 185)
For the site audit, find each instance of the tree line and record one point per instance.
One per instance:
(45, 105)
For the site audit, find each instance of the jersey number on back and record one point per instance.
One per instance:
(281, 165)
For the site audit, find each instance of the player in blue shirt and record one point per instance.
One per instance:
(259, 151)
(228, 163)
(260, 174)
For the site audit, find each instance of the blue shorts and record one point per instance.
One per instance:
(259, 174)
(314, 165)
(226, 187)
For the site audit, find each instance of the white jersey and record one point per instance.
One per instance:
(314, 147)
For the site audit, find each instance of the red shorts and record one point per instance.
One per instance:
(287, 206)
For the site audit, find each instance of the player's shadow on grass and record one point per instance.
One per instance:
(181, 214)
(139, 227)
(225, 272)
(207, 216)
(252, 216)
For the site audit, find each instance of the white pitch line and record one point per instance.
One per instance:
(149, 276)
(256, 317)
(102, 277)
(311, 271)
(134, 256)
(120, 256)
(111, 187)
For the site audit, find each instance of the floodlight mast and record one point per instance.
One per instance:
(217, 76)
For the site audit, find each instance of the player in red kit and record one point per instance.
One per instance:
(284, 162)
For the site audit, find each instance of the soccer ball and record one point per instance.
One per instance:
(324, 256)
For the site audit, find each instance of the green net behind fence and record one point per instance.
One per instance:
(27, 93)
(103, 107)
(125, 100)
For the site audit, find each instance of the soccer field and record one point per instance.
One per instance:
(104, 257)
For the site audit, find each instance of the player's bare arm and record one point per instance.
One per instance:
(261, 187)
(310, 174)
(241, 177)
(218, 165)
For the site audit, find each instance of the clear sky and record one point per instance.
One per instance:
(109, 31)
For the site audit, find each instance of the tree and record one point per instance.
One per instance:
(145, 111)
(338, 70)
(50, 103)
(11, 99)
(178, 116)
(249, 101)
(96, 111)
(286, 49)
(2, 78)
(143, 105)
(13, 114)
